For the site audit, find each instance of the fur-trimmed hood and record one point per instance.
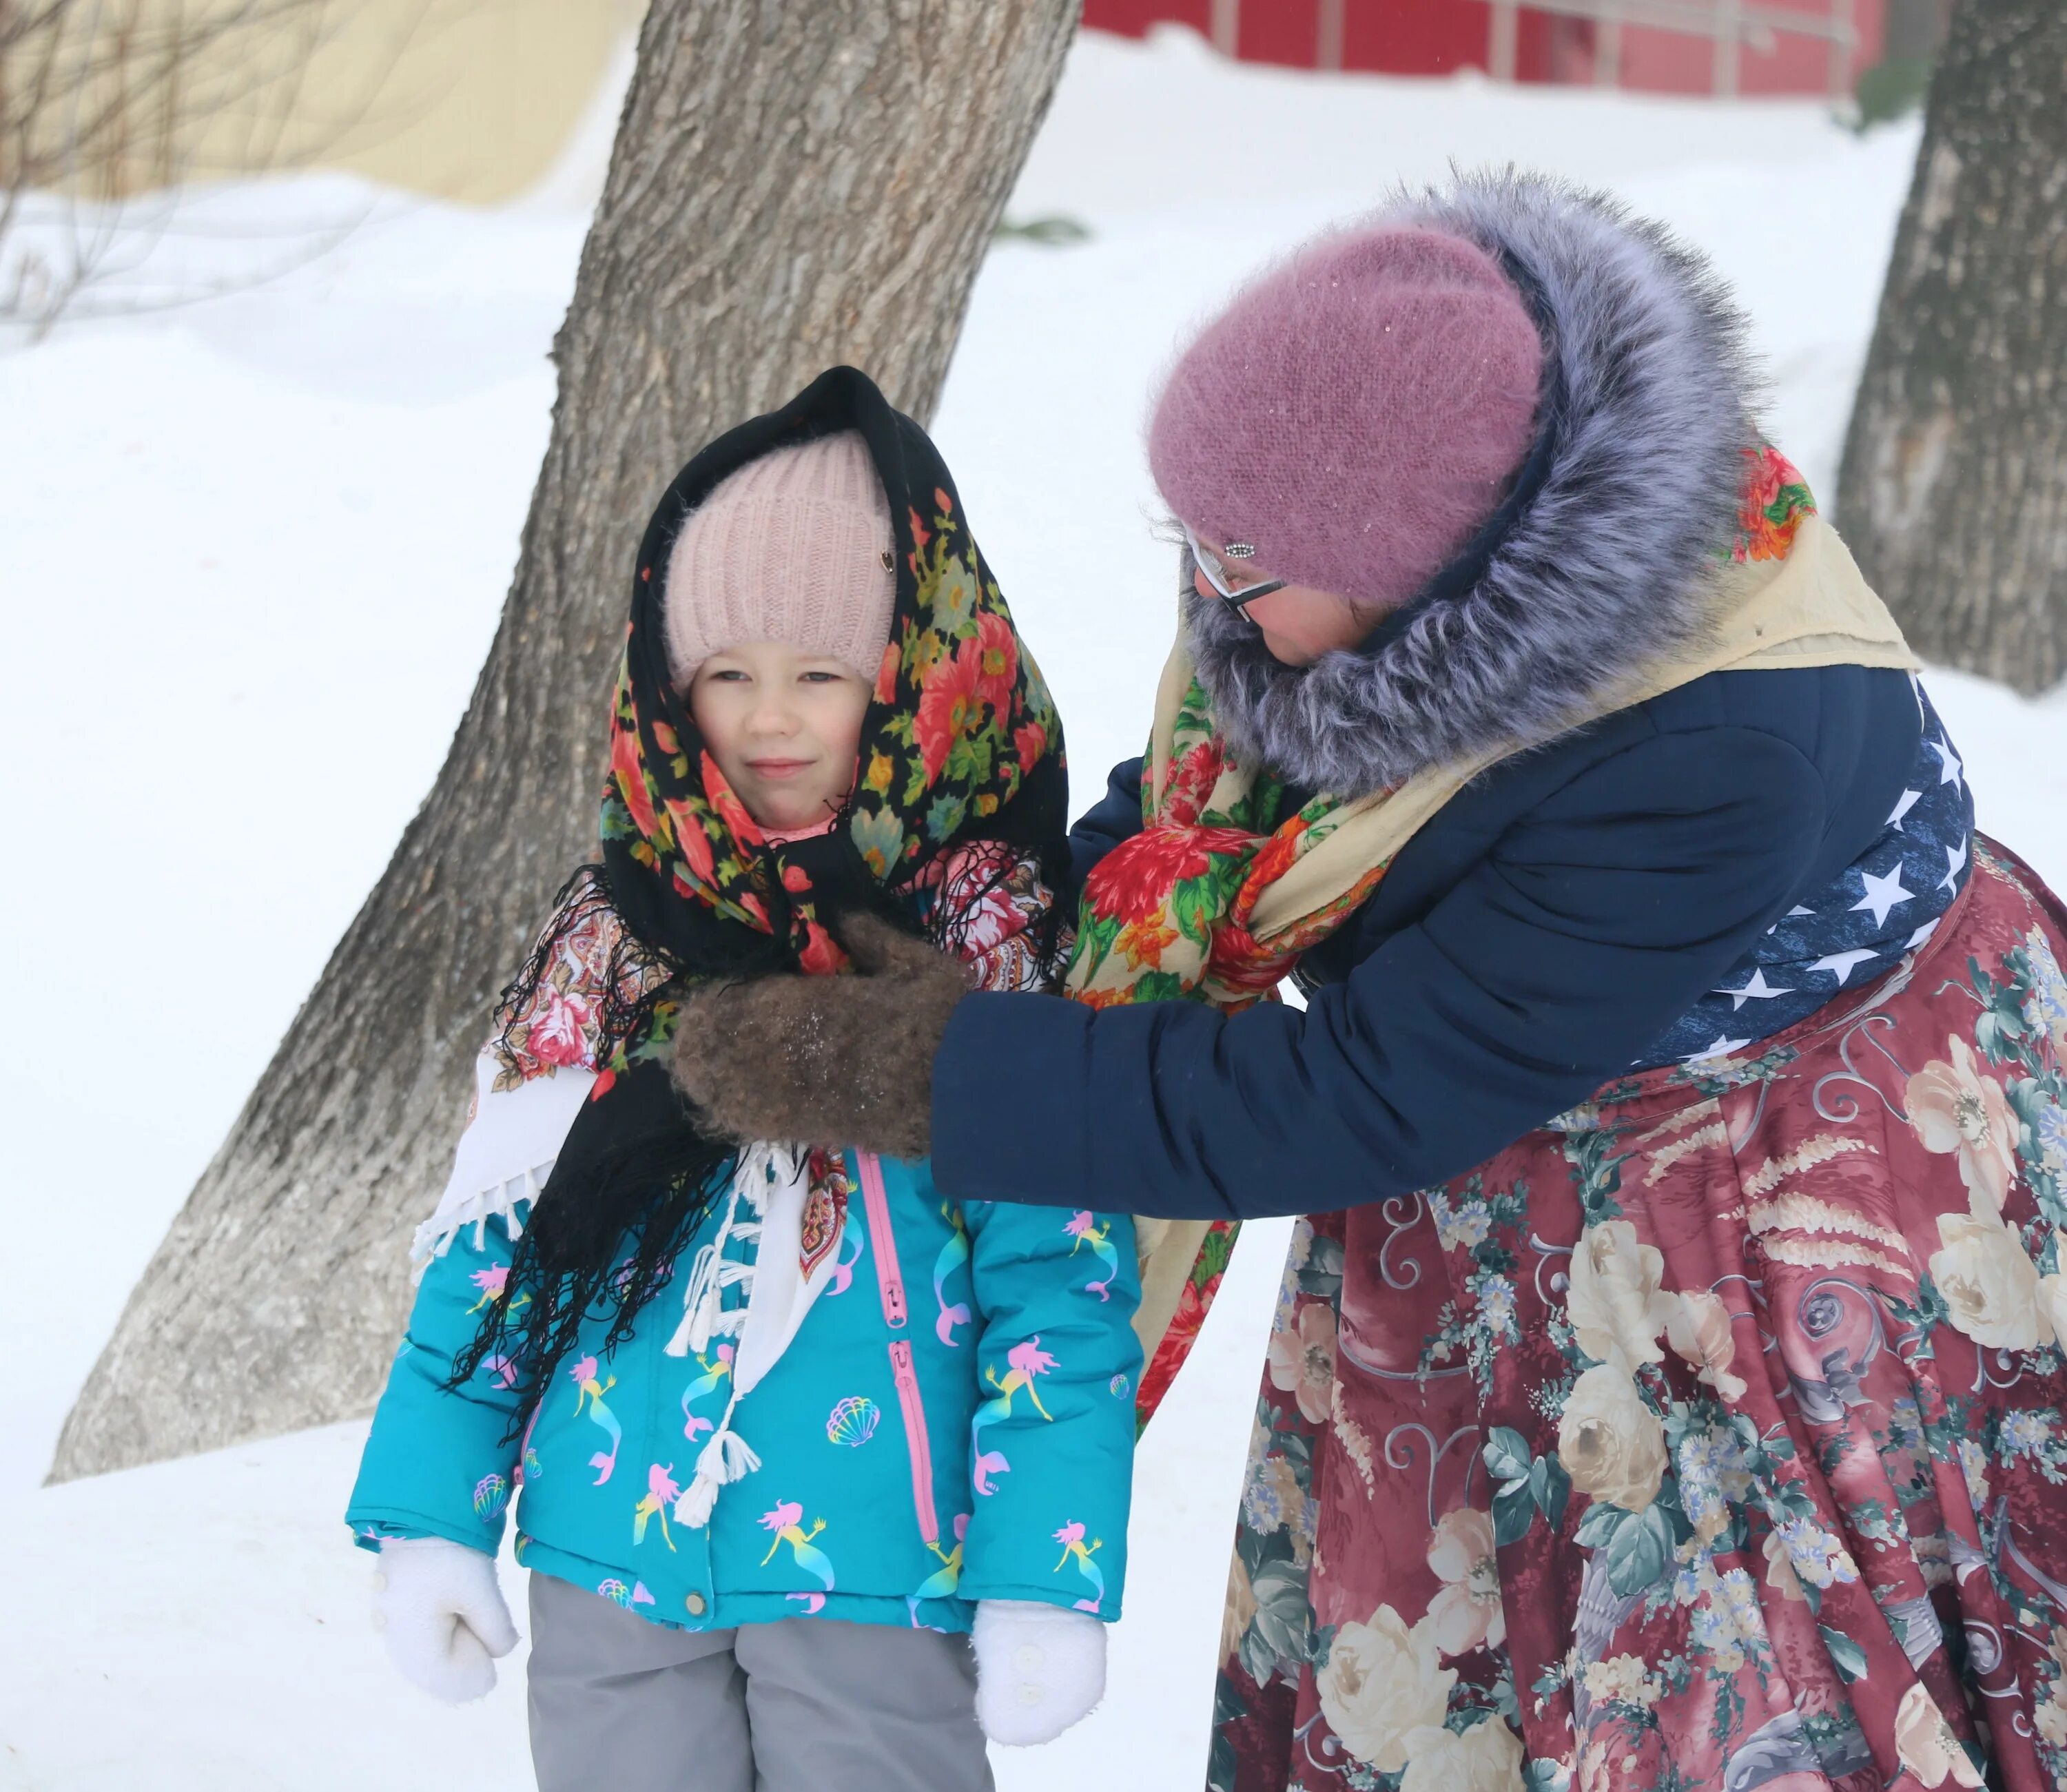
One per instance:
(1595, 564)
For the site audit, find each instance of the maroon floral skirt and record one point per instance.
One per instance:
(1713, 1437)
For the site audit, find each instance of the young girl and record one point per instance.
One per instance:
(787, 1425)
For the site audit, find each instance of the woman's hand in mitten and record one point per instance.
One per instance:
(829, 1061)
(439, 1609)
(1038, 1667)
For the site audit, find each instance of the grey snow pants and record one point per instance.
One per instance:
(619, 1704)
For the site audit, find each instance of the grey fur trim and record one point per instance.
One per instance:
(1602, 572)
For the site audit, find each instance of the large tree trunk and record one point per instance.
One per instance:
(792, 185)
(1954, 489)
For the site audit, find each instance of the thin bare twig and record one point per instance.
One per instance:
(104, 101)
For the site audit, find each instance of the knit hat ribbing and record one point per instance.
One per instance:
(795, 546)
(1356, 414)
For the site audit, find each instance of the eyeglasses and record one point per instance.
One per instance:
(1214, 565)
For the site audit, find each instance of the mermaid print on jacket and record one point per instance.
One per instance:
(491, 1281)
(1084, 1228)
(1061, 1427)
(954, 1253)
(661, 1492)
(786, 1521)
(706, 1383)
(528, 1468)
(844, 1267)
(1025, 1361)
(941, 1585)
(583, 1375)
(1071, 1538)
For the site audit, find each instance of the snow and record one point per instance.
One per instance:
(253, 551)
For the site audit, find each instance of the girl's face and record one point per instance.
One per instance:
(1299, 622)
(784, 727)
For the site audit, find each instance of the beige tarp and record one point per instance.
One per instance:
(465, 100)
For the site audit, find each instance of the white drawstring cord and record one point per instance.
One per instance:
(704, 1316)
(726, 1457)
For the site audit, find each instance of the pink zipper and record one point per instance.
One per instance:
(888, 1277)
(915, 1439)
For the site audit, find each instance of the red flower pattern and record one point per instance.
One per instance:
(1776, 500)
(996, 651)
(1030, 741)
(629, 769)
(731, 810)
(1133, 883)
(950, 707)
(560, 1032)
(1192, 1305)
(1768, 1509)
(696, 847)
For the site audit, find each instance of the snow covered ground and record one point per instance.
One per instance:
(252, 550)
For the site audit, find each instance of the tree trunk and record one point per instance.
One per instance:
(1954, 489)
(792, 185)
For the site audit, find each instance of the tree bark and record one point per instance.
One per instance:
(792, 186)
(1953, 492)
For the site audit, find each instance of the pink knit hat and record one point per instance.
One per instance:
(795, 546)
(1356, 414)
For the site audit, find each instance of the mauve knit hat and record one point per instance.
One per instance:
(795, 546)
(1356, 413)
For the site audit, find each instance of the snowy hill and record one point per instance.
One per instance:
(252, 551)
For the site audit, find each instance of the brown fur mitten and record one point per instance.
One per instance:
(831, 1061)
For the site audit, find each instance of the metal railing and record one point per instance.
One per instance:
(1729, 24)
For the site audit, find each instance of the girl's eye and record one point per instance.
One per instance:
(820, 677)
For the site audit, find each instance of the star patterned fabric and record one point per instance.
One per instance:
(1885, 904)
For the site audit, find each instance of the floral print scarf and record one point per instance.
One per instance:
(1165, 917)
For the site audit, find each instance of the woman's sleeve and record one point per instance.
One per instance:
(441, 1461)
(1587, 929)
(1053, 1440)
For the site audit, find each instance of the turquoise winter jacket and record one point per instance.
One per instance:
(952, 1422)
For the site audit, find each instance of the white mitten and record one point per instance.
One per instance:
(440, 1608)
(1039, 1668)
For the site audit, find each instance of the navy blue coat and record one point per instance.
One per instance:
(1548, 926)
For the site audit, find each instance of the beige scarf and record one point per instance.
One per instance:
(1812, 607)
